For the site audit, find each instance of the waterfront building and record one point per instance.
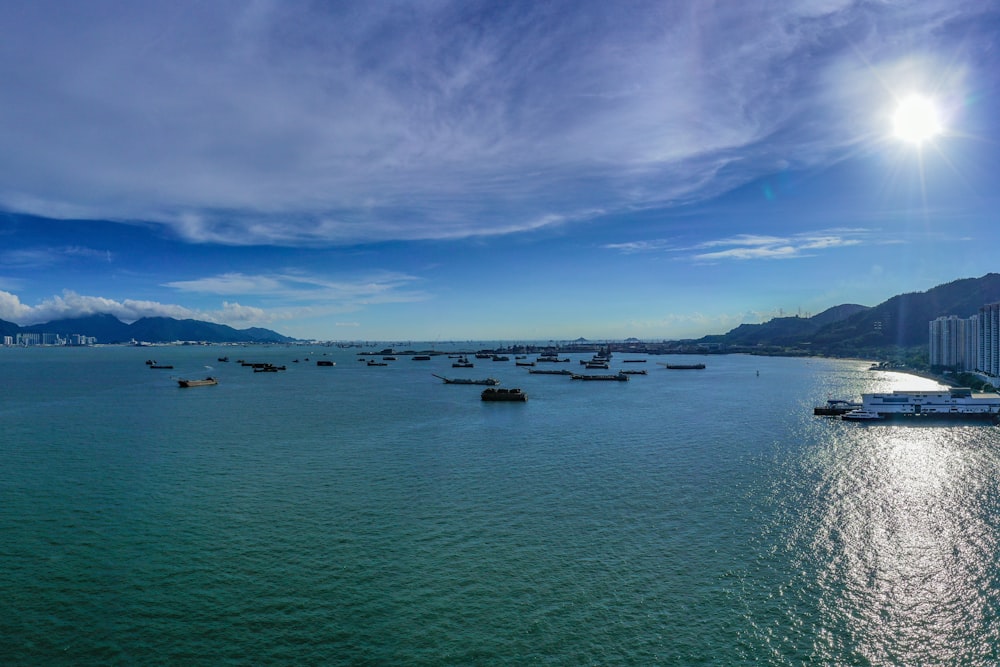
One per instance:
(972, 351)
(29, 339)
(989, 339)
(948, 342)
(971, 344)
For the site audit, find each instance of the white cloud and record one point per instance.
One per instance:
(71, 304)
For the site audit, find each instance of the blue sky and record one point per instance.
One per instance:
(444, 170)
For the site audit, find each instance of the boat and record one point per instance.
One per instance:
(524, 363)
(463, 362)
(510, 395)
(223, 359)
(642, 372)
(500, 357)
(620, 377)
(377, 363)
(551, 358)
(597, 366)
(543, 371)
(633, 361)
(325, 363)
(492, 382)
(683, 367)
(860, 415)
(160, 366)
(954, 403)
(421, 357)
(836, 406)
(198, 383)
(260, 364)
(388, 358)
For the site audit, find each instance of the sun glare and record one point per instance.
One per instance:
(917, 120)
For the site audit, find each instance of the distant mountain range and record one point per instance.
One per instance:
(850, 329)
(845, 330)
(109, 329)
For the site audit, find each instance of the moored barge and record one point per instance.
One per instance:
(515, 395)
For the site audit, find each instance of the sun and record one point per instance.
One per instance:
(917, 120)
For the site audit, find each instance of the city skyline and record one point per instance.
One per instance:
(492, 171)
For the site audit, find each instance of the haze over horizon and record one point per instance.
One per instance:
(498, 171)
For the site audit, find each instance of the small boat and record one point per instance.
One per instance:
(542, 371)
(421, 357)
(551, 358)
(633, 361)
(861, 415)
(642, 372)
(462, 362)
(500, 357)
(377, 363)
(161, 366)
(388, 358)
(322, 362)
(683, 367)
(223, 359)
(836, 406)
(524, 363)
(198, 383)
(492, 382)
(620, 377)
(503, 395)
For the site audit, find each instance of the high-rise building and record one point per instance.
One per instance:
(948, 342)
(989, 339)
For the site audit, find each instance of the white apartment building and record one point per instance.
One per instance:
(970, 344)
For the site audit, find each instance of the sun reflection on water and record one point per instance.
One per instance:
(904, 541)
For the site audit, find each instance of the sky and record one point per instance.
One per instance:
(438, 170)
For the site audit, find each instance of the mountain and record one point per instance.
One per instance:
(852, 329)
(109, 329)
(9, 328)
(105, 328)
(160, 329)
(785, 331)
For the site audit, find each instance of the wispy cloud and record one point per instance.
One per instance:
(304, 123)
(40, 257)
(378, 287)
(749, 247)
(758, 246)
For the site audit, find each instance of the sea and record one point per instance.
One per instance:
(374, 515)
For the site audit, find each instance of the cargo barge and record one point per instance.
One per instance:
(492, 394)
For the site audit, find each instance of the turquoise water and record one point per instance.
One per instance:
(356, 515)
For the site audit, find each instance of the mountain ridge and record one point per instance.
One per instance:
(107, 328)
